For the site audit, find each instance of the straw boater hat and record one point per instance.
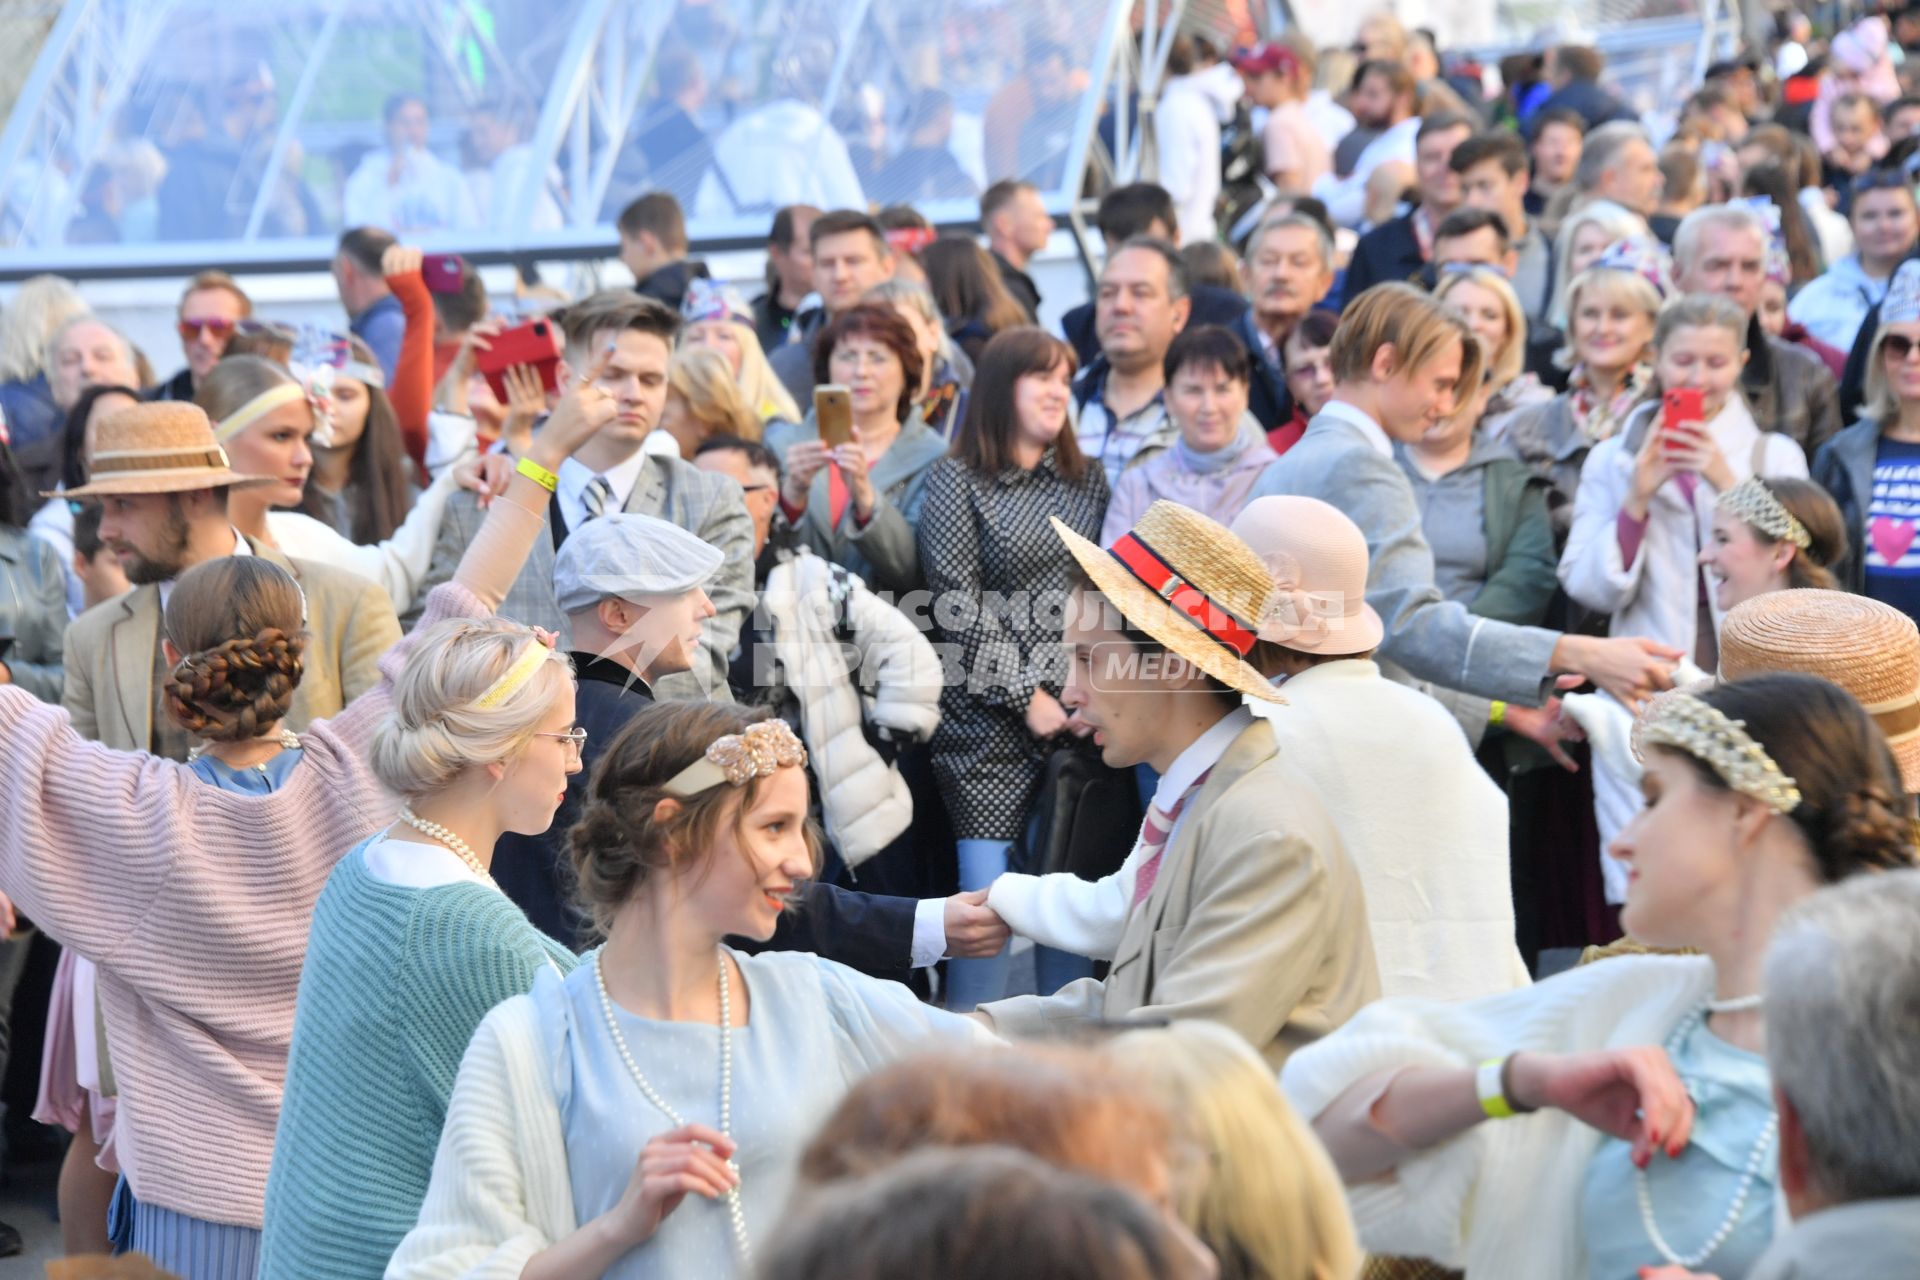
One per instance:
(1190, 584)
(166, 447)
(1870, 649)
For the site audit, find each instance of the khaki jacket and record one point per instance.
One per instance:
(1256, 921)
(110, 692)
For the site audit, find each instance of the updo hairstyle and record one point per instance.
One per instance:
(237, 622)
(1853, 808)
(619, 845)
(434, 731)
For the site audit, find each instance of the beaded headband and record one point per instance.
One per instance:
(738, 758)
(535, 652)
(1687, 724)
(1753, 502)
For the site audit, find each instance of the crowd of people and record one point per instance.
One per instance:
(1384, 743)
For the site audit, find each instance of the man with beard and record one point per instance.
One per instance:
(1288, 270)
(1386, 100)
(162, 482)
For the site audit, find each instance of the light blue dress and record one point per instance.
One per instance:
(814, 1028)
(1733, 1099)
(177, 1243)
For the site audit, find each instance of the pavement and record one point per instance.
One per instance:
(27, 1204)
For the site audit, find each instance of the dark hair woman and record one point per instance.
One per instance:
(359, 480)
(971, 294)
(857, 503)
(984, 532)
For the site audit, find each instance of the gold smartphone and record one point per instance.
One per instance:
(833, 411)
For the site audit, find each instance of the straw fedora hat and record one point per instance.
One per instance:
(1190, 584)
(165, 447)
(1870, 649)
(1317, 558)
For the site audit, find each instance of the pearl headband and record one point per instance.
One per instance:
(1753, 502)
(738, 758)
(1685, 723)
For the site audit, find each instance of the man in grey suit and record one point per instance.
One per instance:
(626, 341)
(1399, 358)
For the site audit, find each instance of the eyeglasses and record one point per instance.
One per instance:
(576, 740)
(191, 327)
(1897, 346)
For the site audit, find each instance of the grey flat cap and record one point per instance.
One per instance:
(629, 556)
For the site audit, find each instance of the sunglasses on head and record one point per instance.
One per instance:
(191, 327)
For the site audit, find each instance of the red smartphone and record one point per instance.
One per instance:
(537, 343)
(443, 272)
(1681, 407)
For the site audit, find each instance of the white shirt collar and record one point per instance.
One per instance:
(1201, 754)
(575, 476)
(240, 548)
(1341, 411)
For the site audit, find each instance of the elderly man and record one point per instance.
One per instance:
(1397, 249)
(1288, 269)
(1723, 249)
(1141, 304)
(85, 352)
(212, 305)
(1618, 163)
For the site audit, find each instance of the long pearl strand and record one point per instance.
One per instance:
(1752, 1171)
(736, 1214)
(447, 837)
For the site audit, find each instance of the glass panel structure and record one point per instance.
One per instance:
(155, 134)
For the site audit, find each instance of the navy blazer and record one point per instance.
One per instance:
(1268, 399)
(864, 931)
(1388, 254)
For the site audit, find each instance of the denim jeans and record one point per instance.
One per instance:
(974, 982)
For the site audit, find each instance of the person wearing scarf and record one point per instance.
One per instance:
(1221, 449)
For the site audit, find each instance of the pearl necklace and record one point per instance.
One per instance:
(446, 836)
(736, 1215)
(1755, 1158)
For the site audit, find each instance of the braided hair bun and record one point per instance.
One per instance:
(240, 622)
(230, 692)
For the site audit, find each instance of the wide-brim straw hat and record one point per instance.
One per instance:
(166, 447)
(1189, 583)
(1870, 649)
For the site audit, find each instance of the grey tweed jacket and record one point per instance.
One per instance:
(1428, 636)
(701, 502)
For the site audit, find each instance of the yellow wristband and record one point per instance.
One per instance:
(1492, 1089)
(1496, 713)
(538, 474)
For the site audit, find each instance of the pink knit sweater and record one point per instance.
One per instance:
(160, 880)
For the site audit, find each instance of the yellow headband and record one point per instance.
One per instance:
(257, 408)
(528, 662)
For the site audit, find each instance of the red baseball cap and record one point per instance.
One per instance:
(1265, 56)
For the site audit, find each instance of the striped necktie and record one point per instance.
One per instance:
(1154, 831)
(597, 496)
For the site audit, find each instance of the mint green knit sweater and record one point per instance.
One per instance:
(396, 981)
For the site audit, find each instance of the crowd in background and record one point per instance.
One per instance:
(1412, 687)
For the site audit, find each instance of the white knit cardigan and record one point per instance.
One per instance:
(501, 1191)
(863, 799)
(1503, 1199)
